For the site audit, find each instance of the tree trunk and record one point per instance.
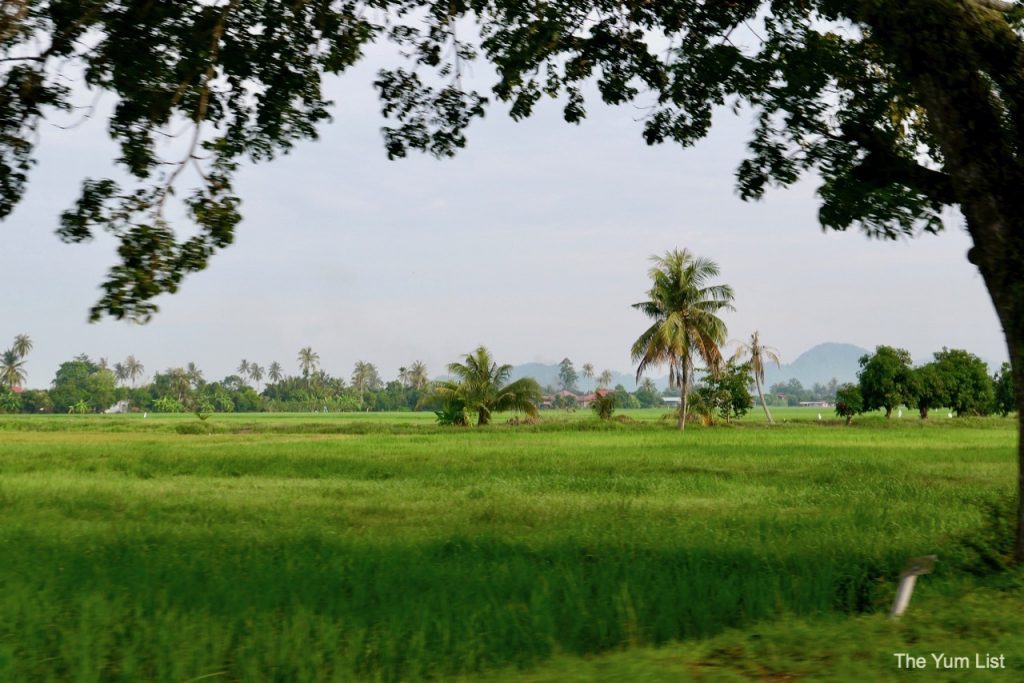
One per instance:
(964, 66)
(684, 396)
(764, 404)
(888, 412)
(924, 412)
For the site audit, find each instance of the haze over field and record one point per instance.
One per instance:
(533, 241)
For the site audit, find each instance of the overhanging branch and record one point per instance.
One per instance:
(998, 5)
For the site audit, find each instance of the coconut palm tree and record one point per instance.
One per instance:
(256, 373)
(121, 373)
(22, 345)
(12, 369)
(756, 354)
(243, 369)
(364, 376)
(195, 375)
(588, 371)
(275, 373)
(684, 306)
(480, 387)
(134, 368)
(418, 377)
(605, 379)
(308, 361)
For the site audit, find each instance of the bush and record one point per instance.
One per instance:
(849, 401)
(604, 406)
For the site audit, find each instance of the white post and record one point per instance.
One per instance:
(916, 566)
(903, 593)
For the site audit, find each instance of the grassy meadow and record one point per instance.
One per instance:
(383, 547)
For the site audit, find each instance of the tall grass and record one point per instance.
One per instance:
(291, 548)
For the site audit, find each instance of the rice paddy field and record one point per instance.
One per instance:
(382, 547)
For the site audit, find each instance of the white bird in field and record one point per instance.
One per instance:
(145, 415)
(819, 416)
(949, 414)
(899, 413)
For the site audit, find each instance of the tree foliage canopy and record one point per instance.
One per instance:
(837, 88)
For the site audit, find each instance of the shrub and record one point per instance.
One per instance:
(604, 406)
(849, 402)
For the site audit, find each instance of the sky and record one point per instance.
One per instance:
(533, 241)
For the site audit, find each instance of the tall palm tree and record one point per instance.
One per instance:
(403, 377)
(195, 375)
(243, 369)
(588, 371)
(684, 306)
(418, 377)
(134, 368)
(12, 369)
(275, 373)
(604, 380)
(22, 345)
(308, 361)
(480, 387)
(757, 353)
(256, 373)
(364, 376)
(121, 373)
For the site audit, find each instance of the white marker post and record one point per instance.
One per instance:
(916, 566)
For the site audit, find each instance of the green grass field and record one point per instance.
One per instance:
(383, 547)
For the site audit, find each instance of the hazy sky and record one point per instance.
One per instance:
(533, 241)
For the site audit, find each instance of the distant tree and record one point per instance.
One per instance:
(36, 401)
(256, 374)
(22, 345)
(274, 373)
(588, 372)
(1005, 398)
(134, 368)
(849, 402)
(969, 387)
(647, 394)
(725, 393)
(604, 380)
(121, 373)
(885, 379)
(243, 369)
(685, 307)
(365, 378)
(12, 372)
(419, 379)
(82, 381)
(309, 360)
(567, 375)
(480, 387)
(756, 355)
(927, 389)
(10, 402)
(195, 375)
(624, 399)
(603, 405)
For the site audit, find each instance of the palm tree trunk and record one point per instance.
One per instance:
(684, 396)
(764, 404)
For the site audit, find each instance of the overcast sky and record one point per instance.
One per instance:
(533, 241)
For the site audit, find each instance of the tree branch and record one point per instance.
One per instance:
(997, 5)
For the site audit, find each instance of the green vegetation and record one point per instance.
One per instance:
(384, 546)
(684, 305)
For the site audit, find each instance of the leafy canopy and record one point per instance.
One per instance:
(831, 85)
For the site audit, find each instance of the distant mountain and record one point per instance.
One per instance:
(819, 365)
(548, 375)
(816, 365)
